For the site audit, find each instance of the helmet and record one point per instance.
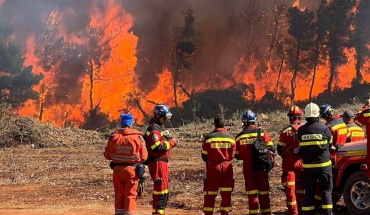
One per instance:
(325, 109)
(295, 111)
(249, 116)
(311, 110)
(127, 119)
(163, 110)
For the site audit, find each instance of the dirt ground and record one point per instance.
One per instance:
(74, 178)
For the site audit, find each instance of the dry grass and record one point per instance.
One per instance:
(43, 167)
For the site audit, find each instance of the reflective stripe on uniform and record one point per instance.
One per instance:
(316, 165)
(147, 133)
(357, 122)
(208, 209)
(330, 206)
(168, 145)
(356, 153)
(281, 143)
(160, 192)
(254, 211)
(292, 203)
(249, 136)
(211, 193)
(308, 208)
(160, 211)
(290, 183)
(226, 208)
(270, 143)
(366, 114)
(317, 197)
(204, 152)
(236, 152)
(156, 144)
(299, 191)
(220, 139)
(313, 143)
(250, 192)
(341, 125)
(226, 189)
(263, 192)
(221, 145)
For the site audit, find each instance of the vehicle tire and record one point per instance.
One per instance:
(356, 193)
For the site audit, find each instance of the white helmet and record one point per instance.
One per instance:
(311, 110)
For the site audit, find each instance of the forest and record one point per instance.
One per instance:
(83, 64)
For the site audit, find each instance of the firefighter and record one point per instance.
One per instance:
(218, 150)
(363, 119)
(339, 131)
(126, 150)
(256, 181)
(292, 162)
(336, 125)
(159, 143)
(315, 141)
(354, 131)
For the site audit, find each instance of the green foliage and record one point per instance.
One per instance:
(361, 38)
(16, 81)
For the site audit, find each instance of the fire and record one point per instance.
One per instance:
(296, 3)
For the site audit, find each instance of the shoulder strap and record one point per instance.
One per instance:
(259, 133)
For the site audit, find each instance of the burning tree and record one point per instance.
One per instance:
(16, 81)
(299, 43)
(339, 16)
(361, 38)
(184, 44)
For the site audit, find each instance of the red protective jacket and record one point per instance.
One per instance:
(244, 141)
(157, 144)
(288, 141)
(127, 146)
(355, 132)
(338, 129)
(218, 146)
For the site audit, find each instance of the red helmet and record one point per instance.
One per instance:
(295, 111)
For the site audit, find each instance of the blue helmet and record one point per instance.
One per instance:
(163, 110)
(249, 116)
(127, 119)
(325, 109)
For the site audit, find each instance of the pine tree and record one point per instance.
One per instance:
(16, 81)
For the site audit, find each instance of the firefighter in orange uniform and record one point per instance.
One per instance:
(292, 162)
(159, 143)
(126, 148)
(355, 132)
(256, 181)
(339, 132)
(363, 119)
(218, 150)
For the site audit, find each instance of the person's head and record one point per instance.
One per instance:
(219, 121)
(347, 116)
(249, 118)
(312, 113)
(295, 114)
(162, 113)
(326, 111)
(127, 120)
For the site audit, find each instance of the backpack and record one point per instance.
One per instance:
(262, 160)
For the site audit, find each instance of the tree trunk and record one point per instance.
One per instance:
(331, 77)
(359, 63)
(295, 73)
(91, 76)
(279, 75)
(315, 64)
(41, 111)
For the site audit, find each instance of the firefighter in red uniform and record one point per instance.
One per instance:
(256, 181)
(354, 131)
(338, 130)
(292, 162)
(363, 119)
(159, 142)
(126, 148)
(218, 150)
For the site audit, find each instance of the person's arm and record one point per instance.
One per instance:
(158, 143)
(107, 147)
(205, 148)
(143, 151)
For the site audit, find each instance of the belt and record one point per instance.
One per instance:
(161, 159)
(125, 164)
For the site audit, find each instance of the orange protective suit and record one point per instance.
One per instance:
(126, 148)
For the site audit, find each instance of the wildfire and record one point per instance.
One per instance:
(67, 93)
